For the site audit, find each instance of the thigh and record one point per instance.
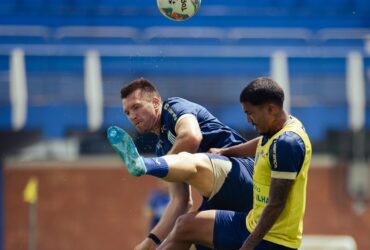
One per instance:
(236, 192)
(203, 178)
(229, 230)
(193, 169)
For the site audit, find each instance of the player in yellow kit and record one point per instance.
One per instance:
(282, 158)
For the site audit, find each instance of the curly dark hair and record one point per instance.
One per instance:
(262, 90)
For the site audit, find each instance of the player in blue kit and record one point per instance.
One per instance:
(184, 126)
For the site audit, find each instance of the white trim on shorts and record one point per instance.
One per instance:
(221, 168)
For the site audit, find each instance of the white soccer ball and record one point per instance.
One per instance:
(178, 10)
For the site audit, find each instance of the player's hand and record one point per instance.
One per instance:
(246, 247)
(215, 151)
(248, 244)
(146, 244)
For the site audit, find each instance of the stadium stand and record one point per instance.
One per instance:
(214, 53)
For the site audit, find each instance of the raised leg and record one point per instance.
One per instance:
(193, 169)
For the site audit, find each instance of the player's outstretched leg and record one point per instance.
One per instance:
(123, 144)
(193, 169)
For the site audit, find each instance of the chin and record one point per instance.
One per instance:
(143, 131)
(139, 130)
(262, 132)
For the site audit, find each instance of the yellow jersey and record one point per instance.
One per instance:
(285, 155)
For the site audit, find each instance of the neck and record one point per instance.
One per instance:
(280, 121)
(157, 123)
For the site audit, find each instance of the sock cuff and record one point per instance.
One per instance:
(156, 166)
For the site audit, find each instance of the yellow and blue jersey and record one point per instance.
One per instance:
(285, 155)
(215, 133)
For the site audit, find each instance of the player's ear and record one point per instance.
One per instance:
(156, 102)
(272, 108)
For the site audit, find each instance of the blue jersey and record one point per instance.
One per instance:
(215, 133)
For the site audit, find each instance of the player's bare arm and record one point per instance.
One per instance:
(247, 149)
(188, 135)
(188, 138)
(279, 191)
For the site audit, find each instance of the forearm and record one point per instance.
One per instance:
(184, 144)
(180, 203)
(247, 149)
(169, 217)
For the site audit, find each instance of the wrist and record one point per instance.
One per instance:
(223, 151)
(154, 238)
(251, 241)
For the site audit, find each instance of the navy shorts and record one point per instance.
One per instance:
(230, 232)
(236, 193)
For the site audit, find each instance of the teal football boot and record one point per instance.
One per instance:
(123, 144)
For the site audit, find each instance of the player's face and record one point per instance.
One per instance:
(258, 115)
(142, 110)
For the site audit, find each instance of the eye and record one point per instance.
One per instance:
(136, 107)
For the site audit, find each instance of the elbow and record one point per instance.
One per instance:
(193, 141)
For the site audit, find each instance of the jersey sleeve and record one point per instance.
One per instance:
(174, 109)
(287, 154)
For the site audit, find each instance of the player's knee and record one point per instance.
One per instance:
(185, 155)
(191, 161)
(183, 226)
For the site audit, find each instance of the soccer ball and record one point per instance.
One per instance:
(178, 10)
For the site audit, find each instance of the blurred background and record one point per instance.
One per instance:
(63, 63)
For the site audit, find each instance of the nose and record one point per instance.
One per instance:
(132, 116)
(249, 119)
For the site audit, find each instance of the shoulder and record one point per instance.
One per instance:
(175, 100)
(289, 141)
(181, 106)
(174, 103)
(287, 153)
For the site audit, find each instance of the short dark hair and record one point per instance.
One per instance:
(140, 83)
(262, 90)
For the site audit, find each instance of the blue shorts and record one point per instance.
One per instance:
(236, 193)
(230, 232)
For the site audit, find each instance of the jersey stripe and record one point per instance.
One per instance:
(284, 175)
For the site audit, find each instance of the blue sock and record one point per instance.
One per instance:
(157, 167)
